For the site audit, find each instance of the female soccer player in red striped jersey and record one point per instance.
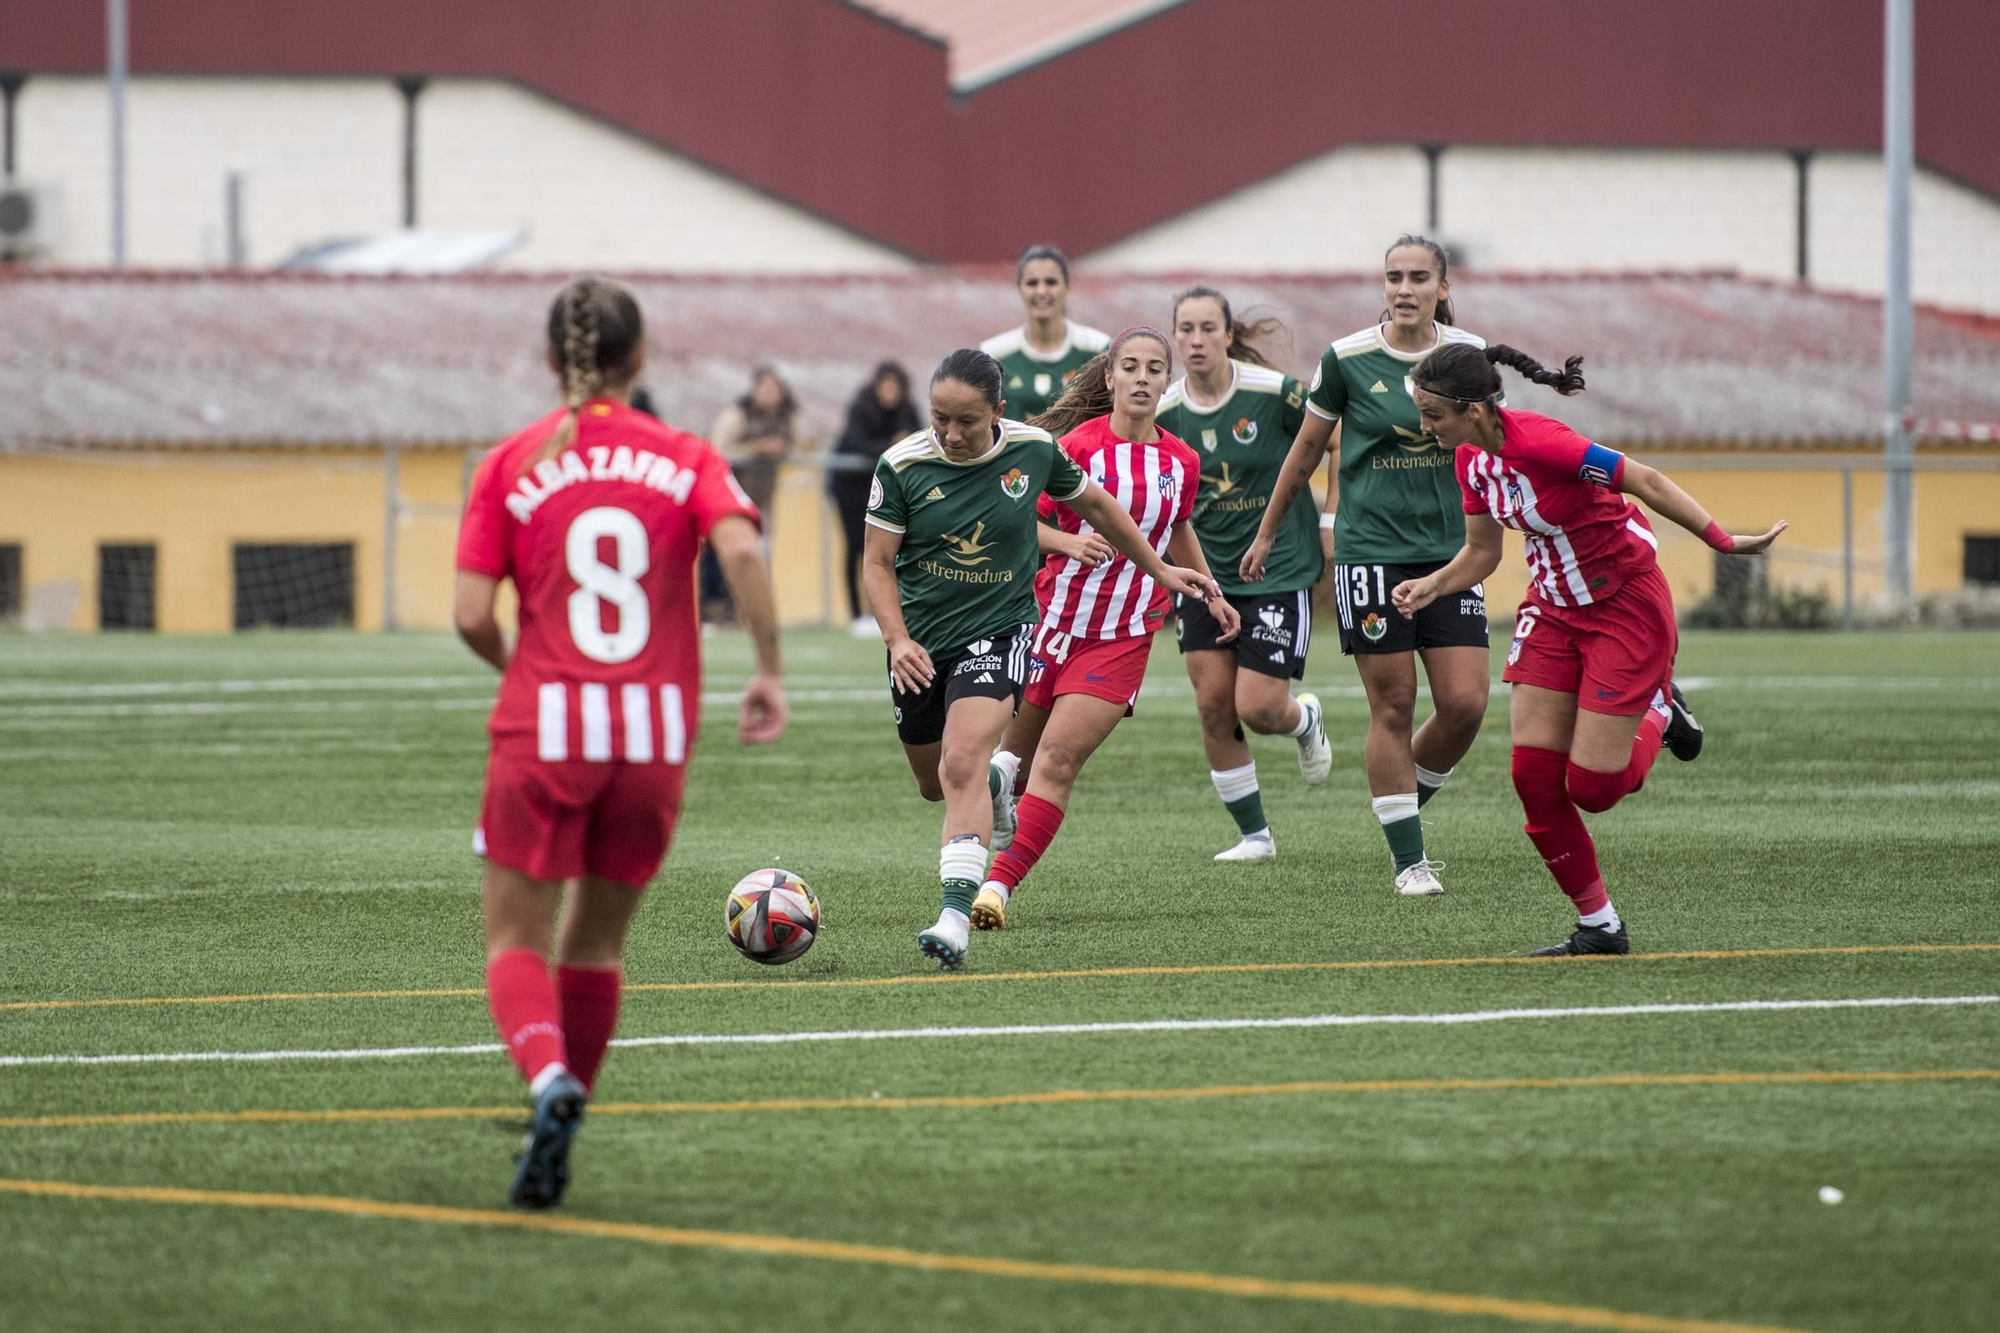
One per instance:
(596, 512)
(1098, 615)
(1593, 656)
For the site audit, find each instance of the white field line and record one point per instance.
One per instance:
(1037, 1030)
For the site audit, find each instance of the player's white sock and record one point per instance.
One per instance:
(995, 886)
(1428, 782)
(551, 1071)
(1009, 765)
(1304, 724)
(1605, 917)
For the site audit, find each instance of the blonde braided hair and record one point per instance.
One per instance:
(578, 336)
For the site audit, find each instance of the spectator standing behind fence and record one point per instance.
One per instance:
(880, 415)
(756, 433)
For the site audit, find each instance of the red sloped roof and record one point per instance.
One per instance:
(996, 37)
(206, 360)
(851, 114)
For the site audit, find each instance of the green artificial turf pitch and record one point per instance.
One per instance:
(291, 814)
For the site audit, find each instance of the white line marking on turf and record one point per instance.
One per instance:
(1038, 1030)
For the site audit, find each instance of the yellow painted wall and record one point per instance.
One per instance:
(193, 505)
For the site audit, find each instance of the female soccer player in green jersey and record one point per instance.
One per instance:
(1240, 415)
(1039, 359)
(1400, 518)
(950, 570)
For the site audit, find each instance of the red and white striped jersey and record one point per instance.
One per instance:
(1156, 483)
(1561, 492)
(600, 542)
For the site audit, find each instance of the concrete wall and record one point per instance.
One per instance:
(323, 159)
(59, 507)
(1561, 210)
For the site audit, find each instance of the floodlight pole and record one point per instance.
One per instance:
(1898, 331)
(116, 60)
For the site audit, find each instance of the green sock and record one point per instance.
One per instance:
(1237, 788)
(961, 865)
(995, 780)
(1402, 827)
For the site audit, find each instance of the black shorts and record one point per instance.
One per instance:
(1369, 623)
(982, 669)
(1277, 628)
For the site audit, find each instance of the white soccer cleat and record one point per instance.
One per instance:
(1420, 880)
(947, 940)
(1003, 818)
(1254, 847)
(1315, 750)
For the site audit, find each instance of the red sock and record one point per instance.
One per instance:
(1598, 792)
(1556, 828)
(589, 1016)
(1035, 825)
(522, 996)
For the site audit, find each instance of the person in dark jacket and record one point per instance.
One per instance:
(880, 415)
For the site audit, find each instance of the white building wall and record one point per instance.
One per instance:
(1553, 210)
(1332, 214)
(321, 158)
(491, 154)
(1954, 233)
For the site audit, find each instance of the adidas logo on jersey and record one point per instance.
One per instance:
(937, 493)
(984, 678)
(1378, 387)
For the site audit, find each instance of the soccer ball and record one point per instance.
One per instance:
(772, 916)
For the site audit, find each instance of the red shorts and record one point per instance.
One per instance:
(1612, 655)
(1109, 669)
(557, 820)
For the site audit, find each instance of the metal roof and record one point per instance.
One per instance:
(208, 360)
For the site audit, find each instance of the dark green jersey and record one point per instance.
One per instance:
(1031, 380)
(1399, 500)
(966, 568)
(1243, 441)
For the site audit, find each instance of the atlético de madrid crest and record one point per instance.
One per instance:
(1244, 431)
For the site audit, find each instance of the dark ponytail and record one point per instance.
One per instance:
(974, 369)
(1444, 312)
(1243, 334)
(1465, 374)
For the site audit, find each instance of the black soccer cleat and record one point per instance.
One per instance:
(1683, 735)
(1588, 939)
(542, 1173)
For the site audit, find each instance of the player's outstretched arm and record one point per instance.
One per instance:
(1474, 563)
(737, 549)
(1109, 518)
(1087, 547)
(1668, 500)
(472, 613)
(1308, 447)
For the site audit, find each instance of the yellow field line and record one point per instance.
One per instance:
(740, 1242)
(1055, 1097)
(960, 978)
